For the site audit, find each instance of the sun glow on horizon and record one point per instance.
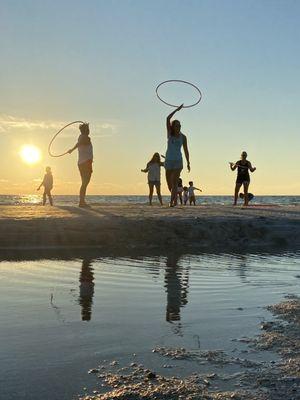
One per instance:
(30, 154)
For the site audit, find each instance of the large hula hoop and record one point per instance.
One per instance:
(187, 83)
(52, 140)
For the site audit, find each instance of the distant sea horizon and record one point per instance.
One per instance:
(35, 199)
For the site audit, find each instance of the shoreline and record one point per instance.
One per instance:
(132, 229)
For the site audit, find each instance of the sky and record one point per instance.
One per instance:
(100, 61)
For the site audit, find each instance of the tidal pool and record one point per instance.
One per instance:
(60, 318)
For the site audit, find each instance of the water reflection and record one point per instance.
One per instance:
(176, 284)
(86, 289)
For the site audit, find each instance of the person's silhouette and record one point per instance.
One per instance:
(86, 289)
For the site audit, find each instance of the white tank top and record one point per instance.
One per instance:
(154, 172)
(85, 152)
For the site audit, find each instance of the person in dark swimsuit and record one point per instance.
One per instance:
(243, 177)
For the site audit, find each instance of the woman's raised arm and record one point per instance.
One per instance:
(169, 119)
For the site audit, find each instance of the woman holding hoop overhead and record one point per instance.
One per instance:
(85, 161)
(243, 178)
(173, 159)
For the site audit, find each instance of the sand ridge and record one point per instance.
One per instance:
(139, 228)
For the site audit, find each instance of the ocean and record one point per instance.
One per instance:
(134, 199)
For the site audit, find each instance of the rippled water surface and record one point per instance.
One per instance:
(60, 318)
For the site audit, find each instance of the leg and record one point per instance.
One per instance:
(174, 181)
(44, 197)
(85, 180)
(236, 192)
(246, 186)
(50, 198)
(157, 186)
(169, 178)
(151, 186)
(180, 198)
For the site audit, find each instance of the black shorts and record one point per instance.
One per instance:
(86, 169)
(241, 180)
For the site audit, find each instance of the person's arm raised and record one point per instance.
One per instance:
(186, 152)
(169, 119)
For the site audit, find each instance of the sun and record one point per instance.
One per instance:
(30, 154)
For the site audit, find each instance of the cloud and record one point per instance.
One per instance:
(10, 122)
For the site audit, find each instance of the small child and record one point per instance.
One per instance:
(191, 191)
(249, 195)
(48, 186)
(185, 195)
(153, 169)
(179, 190)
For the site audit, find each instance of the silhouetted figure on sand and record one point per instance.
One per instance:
(153, 169)
(86, 289)
(250, 196)
(191, 192)
(173, 159)
(85, 161)
(243, 178)
(48, 186)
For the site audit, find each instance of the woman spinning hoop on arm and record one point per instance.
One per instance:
(173, 160)
(243, 177)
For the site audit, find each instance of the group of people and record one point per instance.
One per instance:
(173, 164)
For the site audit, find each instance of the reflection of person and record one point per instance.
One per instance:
(153, 169)
(48, 186)
(176, 284)
(85, 160)
(86, 289)
(173, 162)
(243, 177)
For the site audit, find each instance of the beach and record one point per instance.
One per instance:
(129, 301)
(127, 229)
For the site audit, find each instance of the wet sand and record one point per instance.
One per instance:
(128, 229)
(275, 380)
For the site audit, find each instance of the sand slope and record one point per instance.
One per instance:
(128, 228)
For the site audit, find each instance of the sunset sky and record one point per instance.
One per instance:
(100, 61)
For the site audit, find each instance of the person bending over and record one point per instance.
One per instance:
(250, 196)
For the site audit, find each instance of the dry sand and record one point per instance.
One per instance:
(128, 229)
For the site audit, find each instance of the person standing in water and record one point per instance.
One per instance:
(48, 186)
(85, 161)
(243, 177)
(173, 159)
(153, 169)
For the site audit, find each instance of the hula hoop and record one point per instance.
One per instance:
(187, 83)
(52, 140)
